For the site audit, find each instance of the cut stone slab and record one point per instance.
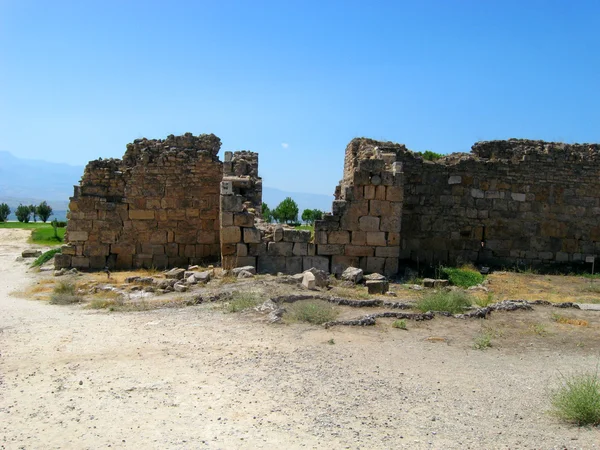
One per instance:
(176, 274)
(353, 274)
(589, 306)
(377, 286)
(180, 287)
(440, 283)
(250, 269)
(31, 253)
(245, 274)
(309, 281)
(203, 277)
(321, 277)
(374, 276)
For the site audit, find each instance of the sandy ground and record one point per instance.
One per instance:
(198, 378)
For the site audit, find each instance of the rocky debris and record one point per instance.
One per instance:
(245, 274)
(175, 273)
(31, 253)
(130, 279)
(478, 288)
(377, 286)
(374, 277)
(416, 287)
(190, 279)
(434, 283)
(321, 277)
(164, 283)
(352, 274)
(180, 287)
(309, 281)
(249, 269)
(64, 271)
(202, 277)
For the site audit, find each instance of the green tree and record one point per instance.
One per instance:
(286, 211)
(23, 213)
(4, 212)
(310, 215)
(33, 211)
(44, 210)
(267, 214)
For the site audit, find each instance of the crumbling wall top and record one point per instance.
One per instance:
(148, 150)
(520, 149)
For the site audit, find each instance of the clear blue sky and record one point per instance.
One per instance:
(295, 80)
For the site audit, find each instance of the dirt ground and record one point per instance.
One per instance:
(197, 377)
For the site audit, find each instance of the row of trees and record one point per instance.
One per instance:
(24, 213)
(287, 212)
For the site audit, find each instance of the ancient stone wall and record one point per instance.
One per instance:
(508, 202)
(157, 207)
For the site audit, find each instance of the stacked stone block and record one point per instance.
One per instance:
(157, 207)
(364, 227)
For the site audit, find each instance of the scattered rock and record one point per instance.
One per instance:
(377, 286)
(250, 269)
(321, 277)
(374, 276)
(175, 274)
(31, 253)
(245, 274)
(353, 274)
(309, 281)
(59, 273)
(478, 288)
(191, 279)
(180, 287)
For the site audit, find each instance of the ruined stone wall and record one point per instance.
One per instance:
(508, 202)
(157, 207)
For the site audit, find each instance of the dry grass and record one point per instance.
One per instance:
(357, 292)
(569, 320)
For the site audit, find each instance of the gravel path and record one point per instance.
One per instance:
(198, 378)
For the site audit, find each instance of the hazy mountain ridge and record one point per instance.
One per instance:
(30, 181)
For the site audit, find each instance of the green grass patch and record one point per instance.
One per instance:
(464, 277)
(45, 257)
(400, 324)
(577, 400)
(454, 302)
(312, 311)
(45, 235)
(485, 301)
(241, 301)
(31, 225)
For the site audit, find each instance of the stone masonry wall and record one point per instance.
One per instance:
(508, 202)
(157, 207)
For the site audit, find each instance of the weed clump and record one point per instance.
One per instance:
(464, 277)
(315, 312)
(454, 302)
(577, 400)
(400, 324)
(64, 294)
(241, 301)
(45, 257)
(483, 341)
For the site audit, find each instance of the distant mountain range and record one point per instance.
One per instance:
(31, 181)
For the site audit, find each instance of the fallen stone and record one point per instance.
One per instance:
(321, 277)
(180, 287)
(309, 281)
(250, 269)
(164, 284)
(131, 279)
(31, 253)
(192, 267)
(440, 283)
(428, 282)
(176, 274)
(191, 279)
(478, 287)
(244, 274)
(298, 277)
(353, 274)
(59, 273)
(374, 276)
(377, 286)
(203, 277)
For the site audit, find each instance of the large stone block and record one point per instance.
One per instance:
(242, 250)
(375, 265)
(243, 219)
(318, 262)
(141, 214)
(80, 262)
(341, 263)
(280, 249)
(339, 237)
(251, 235)
(368, 223)
(77, 236)
(387, 252)
(356, 250)
(271, 264)
(330, 249)
(296, 235)
(300, 249)
(376, 238)
(293, 264)
(379, 208)
(231, 235)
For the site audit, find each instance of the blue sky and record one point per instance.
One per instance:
(295, 80)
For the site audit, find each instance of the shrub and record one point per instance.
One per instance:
(64, 294)
(23, 213)
(243, 300)
(4, 212)
(400, 324)
(45, 257)
(44, 211)
(315, 312)
(428, 155)
(577, 400)
(464, 277)
(454, 302)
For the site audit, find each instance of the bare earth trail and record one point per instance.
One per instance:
(198, 378)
